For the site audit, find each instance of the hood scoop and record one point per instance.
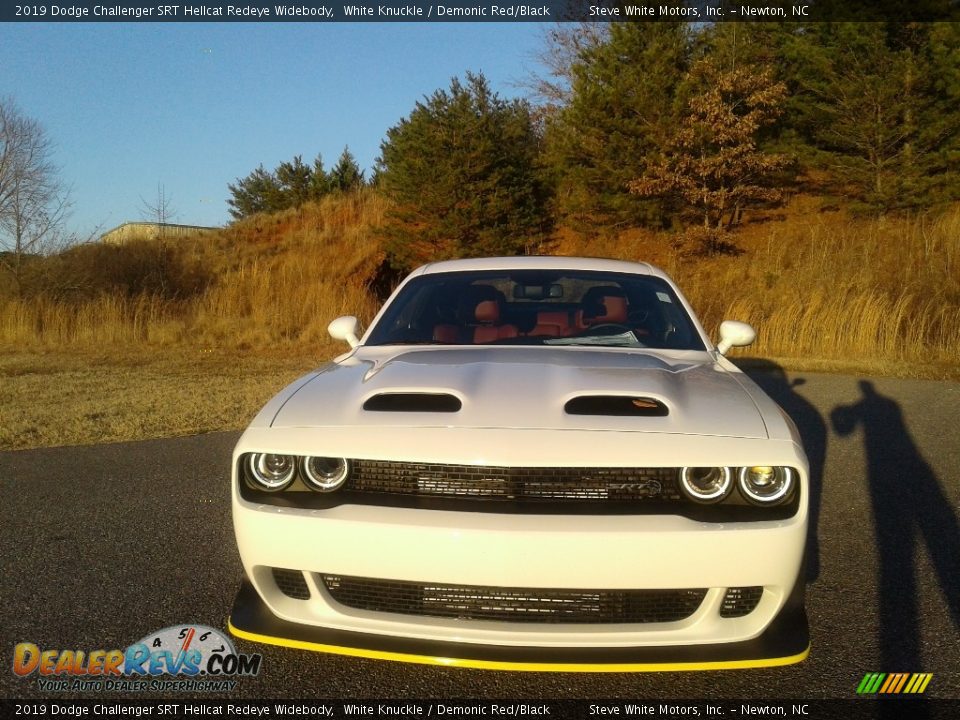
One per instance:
(616, 405)
(413, 402)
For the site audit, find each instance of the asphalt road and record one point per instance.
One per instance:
(102, 544)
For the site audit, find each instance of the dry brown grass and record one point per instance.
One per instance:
(279, 280)
(820, 286)
(79, 397)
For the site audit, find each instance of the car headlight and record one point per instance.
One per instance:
(271, 472)
(764, 484)
(325, 474)
(706, 484)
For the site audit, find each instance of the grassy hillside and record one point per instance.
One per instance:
(269, 284)
(817, 284)
(824, 289)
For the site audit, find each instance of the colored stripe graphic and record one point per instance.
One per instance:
(894, 683)
(870, 683)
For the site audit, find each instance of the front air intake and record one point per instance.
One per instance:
(413, 402)
(740, 601)
(616, 405)
(291, 583)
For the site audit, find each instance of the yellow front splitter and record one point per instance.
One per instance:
(785, 642)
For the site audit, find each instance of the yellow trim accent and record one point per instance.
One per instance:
(519, 666)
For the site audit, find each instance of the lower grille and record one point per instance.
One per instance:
(291, 583)
(526, 605)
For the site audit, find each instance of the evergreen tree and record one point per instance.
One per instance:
(878, 107)
(295, 181)
(462, 172)
(257, 192)
(346, 174)
(291, 185)
(939, 122)
(624, 102)
(320, 183)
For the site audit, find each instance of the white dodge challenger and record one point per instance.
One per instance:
(536, 463)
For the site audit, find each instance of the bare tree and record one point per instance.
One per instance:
(563, 46)
(33, 200)
(159, 211)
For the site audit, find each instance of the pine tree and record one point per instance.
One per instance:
(257, 192)
(624, 101)
(346, 175)
(320, 183)
(878, 107)
(295, 180)
(462, 172)
(291, 185)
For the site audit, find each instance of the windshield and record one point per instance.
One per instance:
(524, 307)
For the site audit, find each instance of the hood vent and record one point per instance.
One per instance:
(616, 405)
(413, 402)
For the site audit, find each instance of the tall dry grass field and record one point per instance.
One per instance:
(842, 289)
(823, 286)
(816, 284)
(275, 283)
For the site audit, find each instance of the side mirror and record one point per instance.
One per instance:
(734, 334)
(344, 328)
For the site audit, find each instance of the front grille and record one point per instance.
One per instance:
(740, 601)
(527, 605)
(291, 583)
(514, 484)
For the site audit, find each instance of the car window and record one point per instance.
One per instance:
(527, 307)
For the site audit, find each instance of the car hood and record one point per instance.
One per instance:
(522, 388)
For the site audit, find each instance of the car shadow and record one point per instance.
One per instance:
(911, 513)
(772, 378)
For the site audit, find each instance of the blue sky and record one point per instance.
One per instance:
(193, 106)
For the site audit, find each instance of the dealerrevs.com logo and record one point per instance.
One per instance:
(179, 658)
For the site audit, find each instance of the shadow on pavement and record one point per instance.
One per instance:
(909, 508)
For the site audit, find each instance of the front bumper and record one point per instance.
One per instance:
(785, 641)
(602, 552)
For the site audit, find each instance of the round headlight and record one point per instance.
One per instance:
(271, 472)
(325, 474)
(706, 484)
(764, 484)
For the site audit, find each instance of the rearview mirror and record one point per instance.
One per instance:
(344, 328)
(734, 334)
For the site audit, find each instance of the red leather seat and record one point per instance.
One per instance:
(614, 310)
(446, 333)
(487, 314)
(601, 305)
(553, 323)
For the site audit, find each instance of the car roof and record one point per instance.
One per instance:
(540, 262)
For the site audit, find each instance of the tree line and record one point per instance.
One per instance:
(292, 184)
(661, 123)
(673, 125)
